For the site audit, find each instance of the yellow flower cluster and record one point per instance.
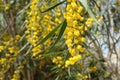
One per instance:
(13, 50)
(58, 16)
(1, 48)
(75, 33)
(16, 75)
(33, 28)
(89, 22)
(36, 50)
(3, 60)
(84, 77)
(10, 53)
(17, 38)
(5, 64)
(93, 69)
(106, 73)
(7, 7)
(58, 60)
(74, 30)
(3, 67)
(72, 60)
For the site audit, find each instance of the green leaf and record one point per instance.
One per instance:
(69, 72)
(58, 77)
(84, 3)
(50, 34)
(63, 27)
(24, 47)
(52, 7)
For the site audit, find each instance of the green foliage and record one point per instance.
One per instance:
(59, 39)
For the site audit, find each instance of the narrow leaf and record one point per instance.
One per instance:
(69, 72)
(57, 77)
(63, 27)
(52, 7)
(49, 35)
(84, 3)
